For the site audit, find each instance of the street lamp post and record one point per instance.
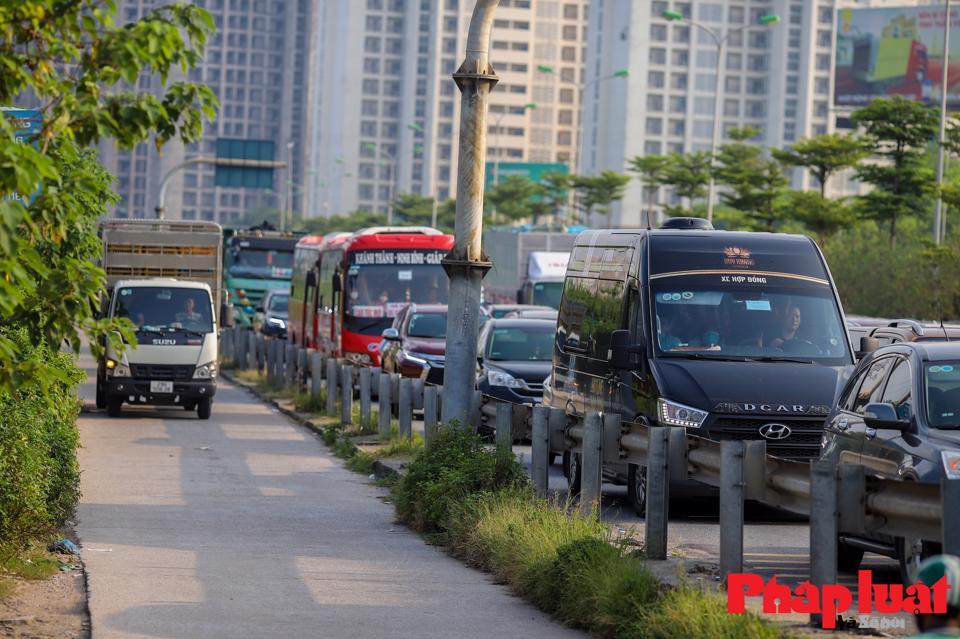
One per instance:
(578, 141)
(944, 80)
(289, 193)
(721, 42)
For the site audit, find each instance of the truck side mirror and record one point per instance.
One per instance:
(623, 353)
(226, 315)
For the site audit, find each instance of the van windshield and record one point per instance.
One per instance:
(547, 294)
(767, 322)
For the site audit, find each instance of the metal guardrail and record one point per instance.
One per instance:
(837, 499)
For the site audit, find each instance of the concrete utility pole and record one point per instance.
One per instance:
(465, 263)
(944, 82)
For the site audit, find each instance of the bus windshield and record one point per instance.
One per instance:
(767, 322)
(376, 293)
(165, 309)
(260, 263)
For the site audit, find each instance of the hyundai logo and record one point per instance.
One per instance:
(775, 431)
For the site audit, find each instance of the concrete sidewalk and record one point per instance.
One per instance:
(245, 526)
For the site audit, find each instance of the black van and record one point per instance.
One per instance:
(731, 335)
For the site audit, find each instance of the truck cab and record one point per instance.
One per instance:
(174, 362)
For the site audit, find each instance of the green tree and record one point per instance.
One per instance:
(898, 131)
(600, 191)
(822, 216)
(515, 198)
(556, 191)
(446, 215)
(824, 155)
(74, 60)
(754, 181)
(412, 209)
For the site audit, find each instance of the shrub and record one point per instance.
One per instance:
(456, 465)
(39, 474)
(690, 612)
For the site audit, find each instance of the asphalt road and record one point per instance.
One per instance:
(245, 526)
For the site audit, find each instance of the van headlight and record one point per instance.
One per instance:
(207, 371)
(117, 369)
(674, 414)
(499, 378)
(276, 321)
(951, 463)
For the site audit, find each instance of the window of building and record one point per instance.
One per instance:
(705, 81)
(564, 138)
(371, 44)
(735, 15)
(678, 80)
(565, 116)
(821, 86)
(658, 32)
(731, 107)
(654, 102)
(710, 12)
(702, 129)
(824, 38)
(823, 62)
(570, 32)
(680, 57)
(655, 79)
(678, 104)
(658, 55)
(654, 126)
(652, 147)
(374, 23)
(731, 84)
(681, 34)
(570, 11)
(566, 96)
(756, 109)
(567, 54)
(756, 86)
(734, 61)
(703, 105)
(825, 15)
(371, 65)
(758, 39)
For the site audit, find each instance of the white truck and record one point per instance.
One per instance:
(165, 277)
(528, 267)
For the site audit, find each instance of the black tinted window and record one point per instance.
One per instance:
(898, 389)
(870, 388)
(577, 294)
(427, 325)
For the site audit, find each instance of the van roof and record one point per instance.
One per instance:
(161, 281)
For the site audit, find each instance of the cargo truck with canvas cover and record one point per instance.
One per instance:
(165, 277)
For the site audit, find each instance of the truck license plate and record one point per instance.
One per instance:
(161, 387)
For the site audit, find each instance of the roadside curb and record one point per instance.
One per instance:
(388, 468)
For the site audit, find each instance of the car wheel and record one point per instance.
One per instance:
(637, 489)
(114, 406)
(849, 558)
(574, 473)
(204, 408)
(910, 552)
(101, 395)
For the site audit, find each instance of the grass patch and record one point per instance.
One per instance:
(31, 566)
(478, 503)
(307, 402)
(249, 376)
(361, 462)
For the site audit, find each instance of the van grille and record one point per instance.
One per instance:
(176, 373)
(803, 442)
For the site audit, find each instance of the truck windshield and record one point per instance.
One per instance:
(165, 309)
(942, 387)
(376, 293)
(548, 293)
(766, 322)
(260, 263)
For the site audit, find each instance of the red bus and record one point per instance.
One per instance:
(359, 283)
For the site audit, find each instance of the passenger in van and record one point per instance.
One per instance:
(788, 328)
(665, 329)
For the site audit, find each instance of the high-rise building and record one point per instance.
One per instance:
(385, 112)
(256, 63)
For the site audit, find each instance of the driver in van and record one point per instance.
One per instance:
(788, 327)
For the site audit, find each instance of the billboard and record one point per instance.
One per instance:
(894, 51)
(534, 171)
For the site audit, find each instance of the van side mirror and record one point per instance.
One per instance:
(883, 415)
(391, 334)
(226, 315)
(623, 353)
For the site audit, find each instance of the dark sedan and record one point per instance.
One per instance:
(898, 417)
(514, 357)
(414, 345)
(273, 313)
